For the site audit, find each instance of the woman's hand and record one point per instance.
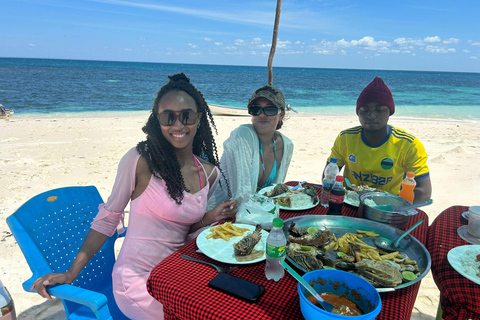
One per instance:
(226, 209)
(50, 278)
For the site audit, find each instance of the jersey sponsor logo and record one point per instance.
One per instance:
(372, 178)
(352, 158)
(386, 164)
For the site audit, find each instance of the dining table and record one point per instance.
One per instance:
(458, 295)
(182, 286)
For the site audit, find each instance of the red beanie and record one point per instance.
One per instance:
(377, 91)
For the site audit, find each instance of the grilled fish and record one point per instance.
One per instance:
(245, 246)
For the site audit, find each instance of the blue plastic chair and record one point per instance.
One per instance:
(50, 228)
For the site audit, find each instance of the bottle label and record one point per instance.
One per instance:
(276, 252)
(334, 198)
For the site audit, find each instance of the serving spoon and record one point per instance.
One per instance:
(401, 210)
(387, 245)
(324, 304)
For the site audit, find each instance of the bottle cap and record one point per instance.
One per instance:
(339, 179)
(277, 223)
(333, 160)
(411, 174)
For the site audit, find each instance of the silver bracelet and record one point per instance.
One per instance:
(203, 223)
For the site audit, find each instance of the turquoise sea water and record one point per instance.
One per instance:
(30, 86)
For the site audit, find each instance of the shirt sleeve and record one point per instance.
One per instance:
(338, 151)
(417, 160)
(111, 214)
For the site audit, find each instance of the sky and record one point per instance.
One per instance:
(426, 35)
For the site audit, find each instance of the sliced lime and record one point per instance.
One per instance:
(311, 230)
(306, 248)
(342, 254)
(409, 276)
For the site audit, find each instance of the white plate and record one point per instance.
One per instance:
(353, 200)
(269, 188)
(454, 256)
(221, 250)
(463, 233)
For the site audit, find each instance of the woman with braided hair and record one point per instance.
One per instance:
(168, 179)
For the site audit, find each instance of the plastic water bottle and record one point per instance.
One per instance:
(275, 251)
(337, 194)
(331, 171)
(408, 184)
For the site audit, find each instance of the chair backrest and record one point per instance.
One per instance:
(51, 227)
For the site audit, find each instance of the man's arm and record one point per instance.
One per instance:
(423, 190)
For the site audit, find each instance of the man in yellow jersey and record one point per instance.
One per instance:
(378, 154)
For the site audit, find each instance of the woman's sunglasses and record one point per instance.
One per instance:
(268, 111)
(168, 118)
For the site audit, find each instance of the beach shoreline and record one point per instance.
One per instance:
(40, 152)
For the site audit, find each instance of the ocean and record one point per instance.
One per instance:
(47, 86)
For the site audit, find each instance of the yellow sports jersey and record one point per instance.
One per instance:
(381, 166)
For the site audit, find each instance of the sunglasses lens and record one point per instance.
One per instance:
(188, 117)
(167, 118)
(270, 111)
(254, 111)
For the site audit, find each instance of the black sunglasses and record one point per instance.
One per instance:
(168, 118)
(268, 111)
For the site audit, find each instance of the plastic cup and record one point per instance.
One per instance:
(474, 221)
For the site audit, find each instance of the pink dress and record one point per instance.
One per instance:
(157, 228)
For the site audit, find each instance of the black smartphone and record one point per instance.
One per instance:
(237, 287)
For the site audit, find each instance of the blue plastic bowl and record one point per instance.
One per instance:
(340, 283)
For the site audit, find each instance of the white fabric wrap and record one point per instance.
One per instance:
(240, 164)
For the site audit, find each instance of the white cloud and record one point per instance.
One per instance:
(283, 44)
(297, 42)
(432, 39)
(474, 43)
(256, 40)
(437, 49)
(466, 51)
(31, 45)
(128, 49)
(239, 42)
(473, 57)
(219, 43)
(451, 41)
(192, 46)
(208, 39)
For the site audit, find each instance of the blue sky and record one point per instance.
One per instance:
(395, 35)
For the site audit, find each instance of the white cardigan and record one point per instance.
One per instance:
(240, 165)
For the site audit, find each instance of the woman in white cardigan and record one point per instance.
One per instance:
(255, 155)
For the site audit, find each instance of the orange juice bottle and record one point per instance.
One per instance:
(408, 184)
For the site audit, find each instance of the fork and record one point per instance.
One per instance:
(218, 268)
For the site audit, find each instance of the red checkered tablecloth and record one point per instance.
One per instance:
(459, 296)
(182, 286)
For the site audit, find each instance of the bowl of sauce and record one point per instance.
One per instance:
(352, 296)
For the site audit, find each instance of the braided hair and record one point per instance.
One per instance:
(159, 153)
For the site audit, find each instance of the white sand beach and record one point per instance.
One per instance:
(38, 153)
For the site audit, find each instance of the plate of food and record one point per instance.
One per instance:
(466, 261)
(347, 243)
(233, 243)
(292, 198)
(353, 192)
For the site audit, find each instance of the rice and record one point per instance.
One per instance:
(470, 264)
(300, 200)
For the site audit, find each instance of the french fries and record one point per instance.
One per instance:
(368, 233)
(226, 231)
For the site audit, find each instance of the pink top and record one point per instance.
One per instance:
(157, 228)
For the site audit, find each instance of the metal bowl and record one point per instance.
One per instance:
(398, 219)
